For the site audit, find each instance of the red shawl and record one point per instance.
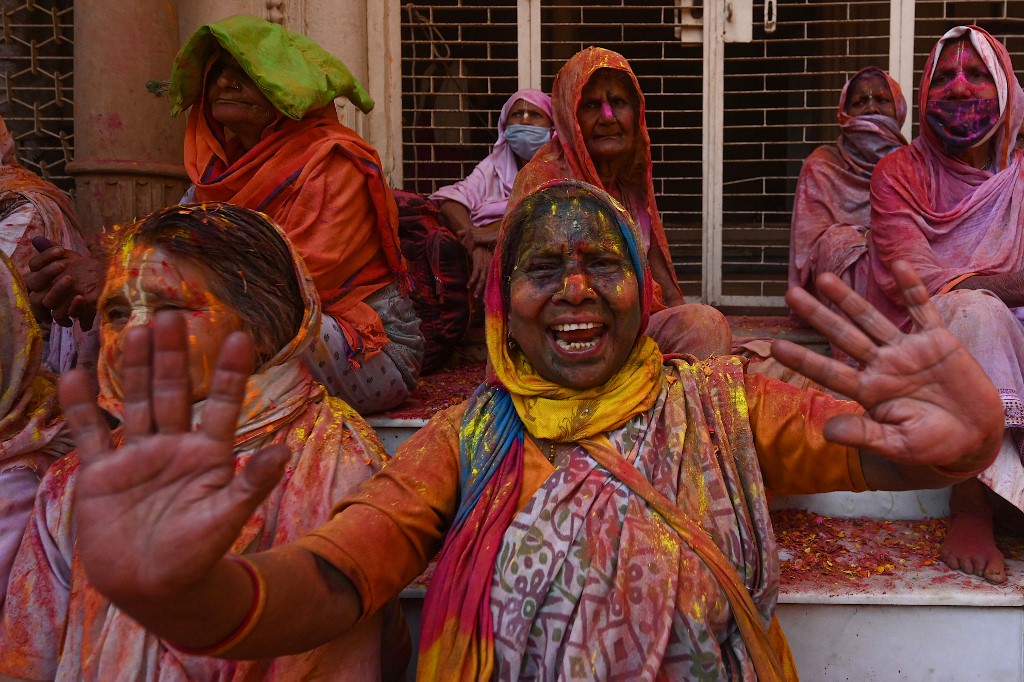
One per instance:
(947, 218)
(566, 156)
(323, 185)
(831, 209)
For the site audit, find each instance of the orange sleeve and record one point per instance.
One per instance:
(788, 425)
(384, 535)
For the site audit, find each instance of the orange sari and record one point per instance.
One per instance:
(323, 184)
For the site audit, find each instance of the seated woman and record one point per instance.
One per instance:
(600, 510)
(832, 207)
(34, 212)
(231, 269)
(32, 430)
(473, 207)
(951, 205)
(263, 133)
(601, 138)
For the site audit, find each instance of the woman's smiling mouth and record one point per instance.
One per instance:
(577, 337)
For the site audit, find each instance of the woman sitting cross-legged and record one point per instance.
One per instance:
(229, 269)
(600, 511)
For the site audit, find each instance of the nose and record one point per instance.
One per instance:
(871, 107)
(957, 88)
(576, 288)
(227, 78)
(139, 318)
(606, 110)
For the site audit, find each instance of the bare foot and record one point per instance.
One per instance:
(970, 544)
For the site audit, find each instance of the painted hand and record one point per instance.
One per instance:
(155, 515)
(928, 402)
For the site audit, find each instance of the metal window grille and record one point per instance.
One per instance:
(36, 58)
(781, 96)
(459, 65)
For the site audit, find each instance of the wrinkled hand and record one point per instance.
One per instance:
(155, 515)
(927, 401)
(479, 265)
(63, 285)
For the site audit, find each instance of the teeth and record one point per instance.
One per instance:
(575, 326)
(576, 346)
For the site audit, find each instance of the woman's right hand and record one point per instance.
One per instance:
(155, 516)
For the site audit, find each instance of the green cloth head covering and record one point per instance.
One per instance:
(294, 72)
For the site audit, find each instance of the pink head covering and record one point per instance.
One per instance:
(948, 219)
(1011, 97)
(831, 206)
(485, 192)
(864, 140)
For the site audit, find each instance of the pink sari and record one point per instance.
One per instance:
(486, 190)
(832, 209)
(950, 221)
(947, 218)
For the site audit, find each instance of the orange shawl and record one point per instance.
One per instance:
(323, 184)
(566, 155)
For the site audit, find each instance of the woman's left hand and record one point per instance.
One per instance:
(927, 401)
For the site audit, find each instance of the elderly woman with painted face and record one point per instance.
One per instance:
(600, 511)
(230, 269)
(263, 132)
(951, 205)
(473, 207)
(601, 138)
(832, 207)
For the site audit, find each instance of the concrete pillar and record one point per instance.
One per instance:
(128, 149)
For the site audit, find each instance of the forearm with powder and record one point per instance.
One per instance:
(307, 603)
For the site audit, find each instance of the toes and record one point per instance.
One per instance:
(996, 572)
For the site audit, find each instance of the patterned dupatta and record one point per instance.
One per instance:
(457, 640)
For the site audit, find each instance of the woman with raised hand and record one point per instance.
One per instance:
(600, 511)
(224, 269)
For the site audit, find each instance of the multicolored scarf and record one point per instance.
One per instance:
(457, 640)
(566, 155)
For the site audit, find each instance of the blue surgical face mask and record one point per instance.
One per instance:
(526, 140)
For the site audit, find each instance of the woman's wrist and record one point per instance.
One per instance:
(240, 592)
